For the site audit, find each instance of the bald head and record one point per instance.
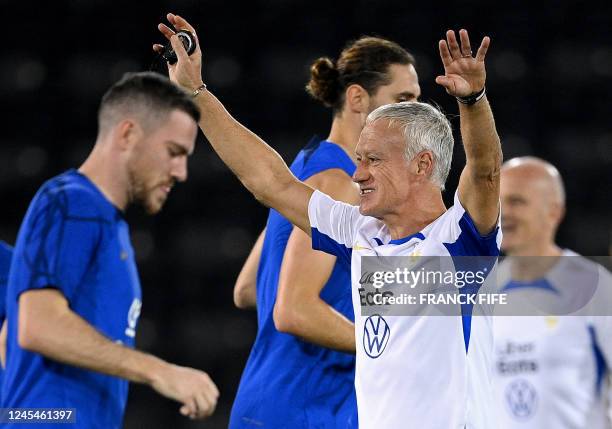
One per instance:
(533, 205)
(542, 175)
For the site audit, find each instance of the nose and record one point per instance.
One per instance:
(179, 169)
(361, 173)
(507, 209)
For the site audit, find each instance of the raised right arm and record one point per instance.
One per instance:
(259, 167)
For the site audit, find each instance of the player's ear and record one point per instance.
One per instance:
(127, 133)
(424, 163)
(357, 99)
(557, 212)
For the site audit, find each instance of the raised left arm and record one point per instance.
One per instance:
(465, 78)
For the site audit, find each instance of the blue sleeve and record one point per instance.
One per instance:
(326, 244)
(6, 253)
(61, 234)
(471, 243)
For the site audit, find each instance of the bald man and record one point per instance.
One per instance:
(550, 369)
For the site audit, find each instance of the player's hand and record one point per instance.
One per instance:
(187, 71)
(464, 74)
(193, 388)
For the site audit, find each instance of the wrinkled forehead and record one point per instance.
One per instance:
(378, 135)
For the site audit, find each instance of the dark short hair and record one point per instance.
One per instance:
(149, 95)
(365, 62)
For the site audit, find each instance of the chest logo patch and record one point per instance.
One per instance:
(522, 399)
(376, 334)
(133, 315)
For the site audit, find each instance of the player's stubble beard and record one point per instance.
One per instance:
(140, 193)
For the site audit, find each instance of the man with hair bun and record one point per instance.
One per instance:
(300, 373)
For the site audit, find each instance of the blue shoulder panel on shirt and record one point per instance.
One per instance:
(326, 244)
(471, 243)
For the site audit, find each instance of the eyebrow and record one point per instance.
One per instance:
(514, 198)
(369, 152)
(179, 147)
(407, 94)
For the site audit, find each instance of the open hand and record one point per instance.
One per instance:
(187, 71)
(464, 74)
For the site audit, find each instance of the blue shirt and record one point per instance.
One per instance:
(74, 240)
(6, 252)
(288, 382)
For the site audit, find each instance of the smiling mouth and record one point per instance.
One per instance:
(165, 189)
(366, 191)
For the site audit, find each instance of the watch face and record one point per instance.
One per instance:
(188, 41)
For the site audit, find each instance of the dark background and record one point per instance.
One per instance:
(549, 73)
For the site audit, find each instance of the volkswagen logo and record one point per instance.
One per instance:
(521, 398)
(376, 335)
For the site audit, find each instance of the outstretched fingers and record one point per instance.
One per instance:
(453, 45)
(445, 55)
(466, 49)
(446, 82)
(165, 30)
(181, 24)
(482, 50)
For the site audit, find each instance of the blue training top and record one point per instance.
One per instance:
(6, 253)
(288, 382)
(74, 240)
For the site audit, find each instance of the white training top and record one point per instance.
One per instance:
(550, 369)
(413, 371)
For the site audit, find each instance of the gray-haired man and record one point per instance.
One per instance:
(411, 372)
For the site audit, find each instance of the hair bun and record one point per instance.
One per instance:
(324, 85)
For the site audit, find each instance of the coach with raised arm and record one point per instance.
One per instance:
(421, 372)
